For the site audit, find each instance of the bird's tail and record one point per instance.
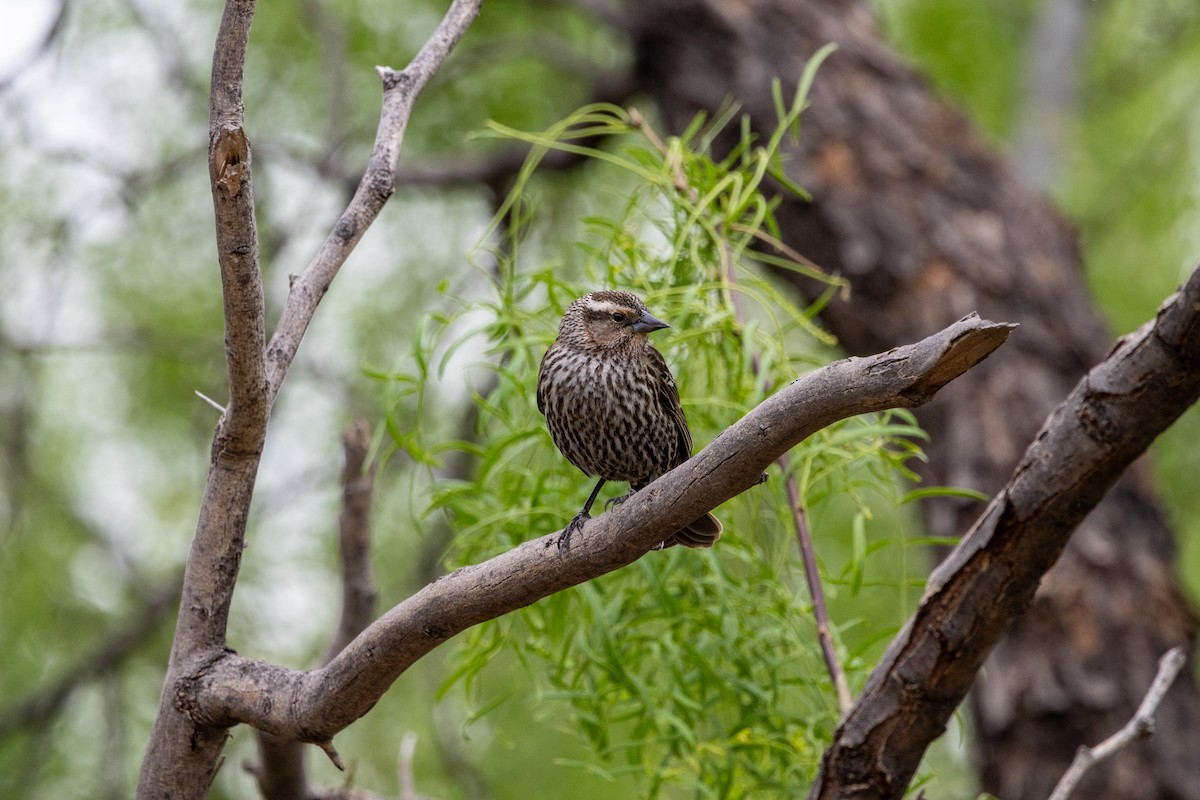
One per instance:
(703, 532)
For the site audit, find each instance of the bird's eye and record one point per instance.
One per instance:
(617, 316)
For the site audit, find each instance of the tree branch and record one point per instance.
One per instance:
(229, 163)
(181, 757)
(1142, 724)
(1149, 379)
(354, 538)
(400, 90)
(313, 706)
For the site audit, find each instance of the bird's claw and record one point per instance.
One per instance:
(564, 539)
(613, 502)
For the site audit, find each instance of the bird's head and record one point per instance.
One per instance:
(608, 319)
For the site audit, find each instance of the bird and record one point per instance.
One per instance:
(612, 405)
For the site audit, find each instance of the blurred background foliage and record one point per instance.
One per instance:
(111, 320)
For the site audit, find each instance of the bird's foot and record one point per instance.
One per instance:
(564, 539)
(613, 502)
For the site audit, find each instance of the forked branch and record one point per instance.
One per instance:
(181, 757)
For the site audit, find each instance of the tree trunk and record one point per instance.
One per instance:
(929, 224)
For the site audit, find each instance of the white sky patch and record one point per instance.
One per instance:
(23, 27)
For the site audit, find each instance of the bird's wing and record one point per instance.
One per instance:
(668, 398)
(541, 383)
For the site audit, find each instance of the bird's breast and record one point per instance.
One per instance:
(604, 415)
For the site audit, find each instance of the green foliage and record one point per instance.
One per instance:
(693, 672)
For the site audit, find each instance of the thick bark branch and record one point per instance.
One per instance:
(1115, 411)
(313, 706)
(229, 163)
(179, 758)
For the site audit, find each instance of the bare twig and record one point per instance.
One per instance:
(400, 89)
(314, 706)
(813, 576)
(1140, 725)
(354, 538)
(1149, 379)
(808, 555)
(220, 408)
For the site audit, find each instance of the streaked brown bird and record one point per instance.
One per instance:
(612, 405)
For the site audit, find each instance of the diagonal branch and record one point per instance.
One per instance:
(1149, 379)
(400, 90)
(313, 706)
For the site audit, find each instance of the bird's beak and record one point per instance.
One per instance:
(647, 323)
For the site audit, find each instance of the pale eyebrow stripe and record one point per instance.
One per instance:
(604, 306)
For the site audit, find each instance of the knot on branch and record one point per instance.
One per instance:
(185, 694)
(1101, 416)
(229, 159)
(394, 79)
(1177, 324)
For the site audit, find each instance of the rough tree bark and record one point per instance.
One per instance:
(988, 580)
(928, 223)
